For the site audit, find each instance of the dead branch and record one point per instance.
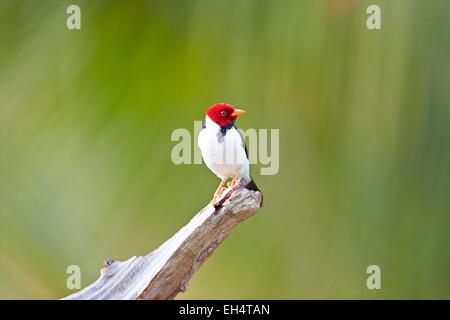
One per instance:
(165, 272)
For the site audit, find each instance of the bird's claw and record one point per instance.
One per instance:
(233, 182)
(219, 200)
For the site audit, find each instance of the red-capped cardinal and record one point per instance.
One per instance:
(223, 148)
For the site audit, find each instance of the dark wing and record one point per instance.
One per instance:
(243, 141)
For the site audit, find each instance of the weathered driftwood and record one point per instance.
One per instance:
(165, 272)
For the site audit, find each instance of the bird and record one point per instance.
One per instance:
(223, 148)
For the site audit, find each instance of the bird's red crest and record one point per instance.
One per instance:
(221, 113)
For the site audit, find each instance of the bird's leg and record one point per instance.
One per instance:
(234, 181)
(234, 185)
(219, 190)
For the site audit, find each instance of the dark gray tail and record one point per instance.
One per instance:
(252, 186)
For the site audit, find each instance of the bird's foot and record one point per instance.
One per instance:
(218, 201)
(219, 191)
(233, 182)
(216, 196)
(213, 201)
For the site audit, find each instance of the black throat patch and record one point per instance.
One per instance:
(228, 126)
(224, 129)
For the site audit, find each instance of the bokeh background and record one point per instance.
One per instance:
(86, 118)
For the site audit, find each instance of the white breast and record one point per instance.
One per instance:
(223, 154)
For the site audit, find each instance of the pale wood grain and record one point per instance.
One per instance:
(166, 271)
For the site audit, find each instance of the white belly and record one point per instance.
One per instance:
(224, 155)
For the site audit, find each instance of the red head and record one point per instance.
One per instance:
(222, 113)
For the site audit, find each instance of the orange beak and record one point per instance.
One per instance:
(237, 112)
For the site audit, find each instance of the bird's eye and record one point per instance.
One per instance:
(223, 112)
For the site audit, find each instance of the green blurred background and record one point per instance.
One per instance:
(86, 118)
